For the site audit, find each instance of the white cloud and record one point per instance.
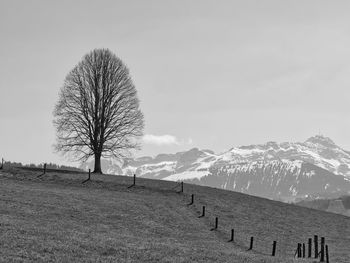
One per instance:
(165, 140)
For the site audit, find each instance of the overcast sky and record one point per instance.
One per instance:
(209, 74)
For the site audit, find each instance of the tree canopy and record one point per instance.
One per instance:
(98, 113)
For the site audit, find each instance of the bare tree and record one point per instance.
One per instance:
(97, 113)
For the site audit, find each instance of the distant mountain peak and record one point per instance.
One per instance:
(275, 170)
(322, 140)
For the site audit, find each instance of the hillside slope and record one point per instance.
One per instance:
(338, 206)
(56, 218)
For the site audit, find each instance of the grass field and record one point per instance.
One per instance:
(55, 218)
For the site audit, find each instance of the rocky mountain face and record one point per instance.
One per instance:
(284, 171)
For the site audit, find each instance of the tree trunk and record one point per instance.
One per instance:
(97, 163)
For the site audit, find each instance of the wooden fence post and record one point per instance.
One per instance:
(182, 187)
(274, 248)
(203, 212)
(134, 183)
(327, 257)
(310, 248)
(192, 200)
(303, 250)
(316, 245)
(232, 235)
(322, 249)
(43, 172)
(251, 243)
(299, 250)
(216, 224)
(88, 177)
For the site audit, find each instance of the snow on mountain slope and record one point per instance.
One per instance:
(163, 165)
(318, 150)
(276, 179)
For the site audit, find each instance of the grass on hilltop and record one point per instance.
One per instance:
(55, 218)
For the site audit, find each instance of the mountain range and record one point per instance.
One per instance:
(288, 171)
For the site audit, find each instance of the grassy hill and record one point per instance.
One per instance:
(57, 218)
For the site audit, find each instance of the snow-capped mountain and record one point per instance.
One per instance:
(285, 180)
(275, 170)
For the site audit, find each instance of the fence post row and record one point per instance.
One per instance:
(321, 253)
(301, 251)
